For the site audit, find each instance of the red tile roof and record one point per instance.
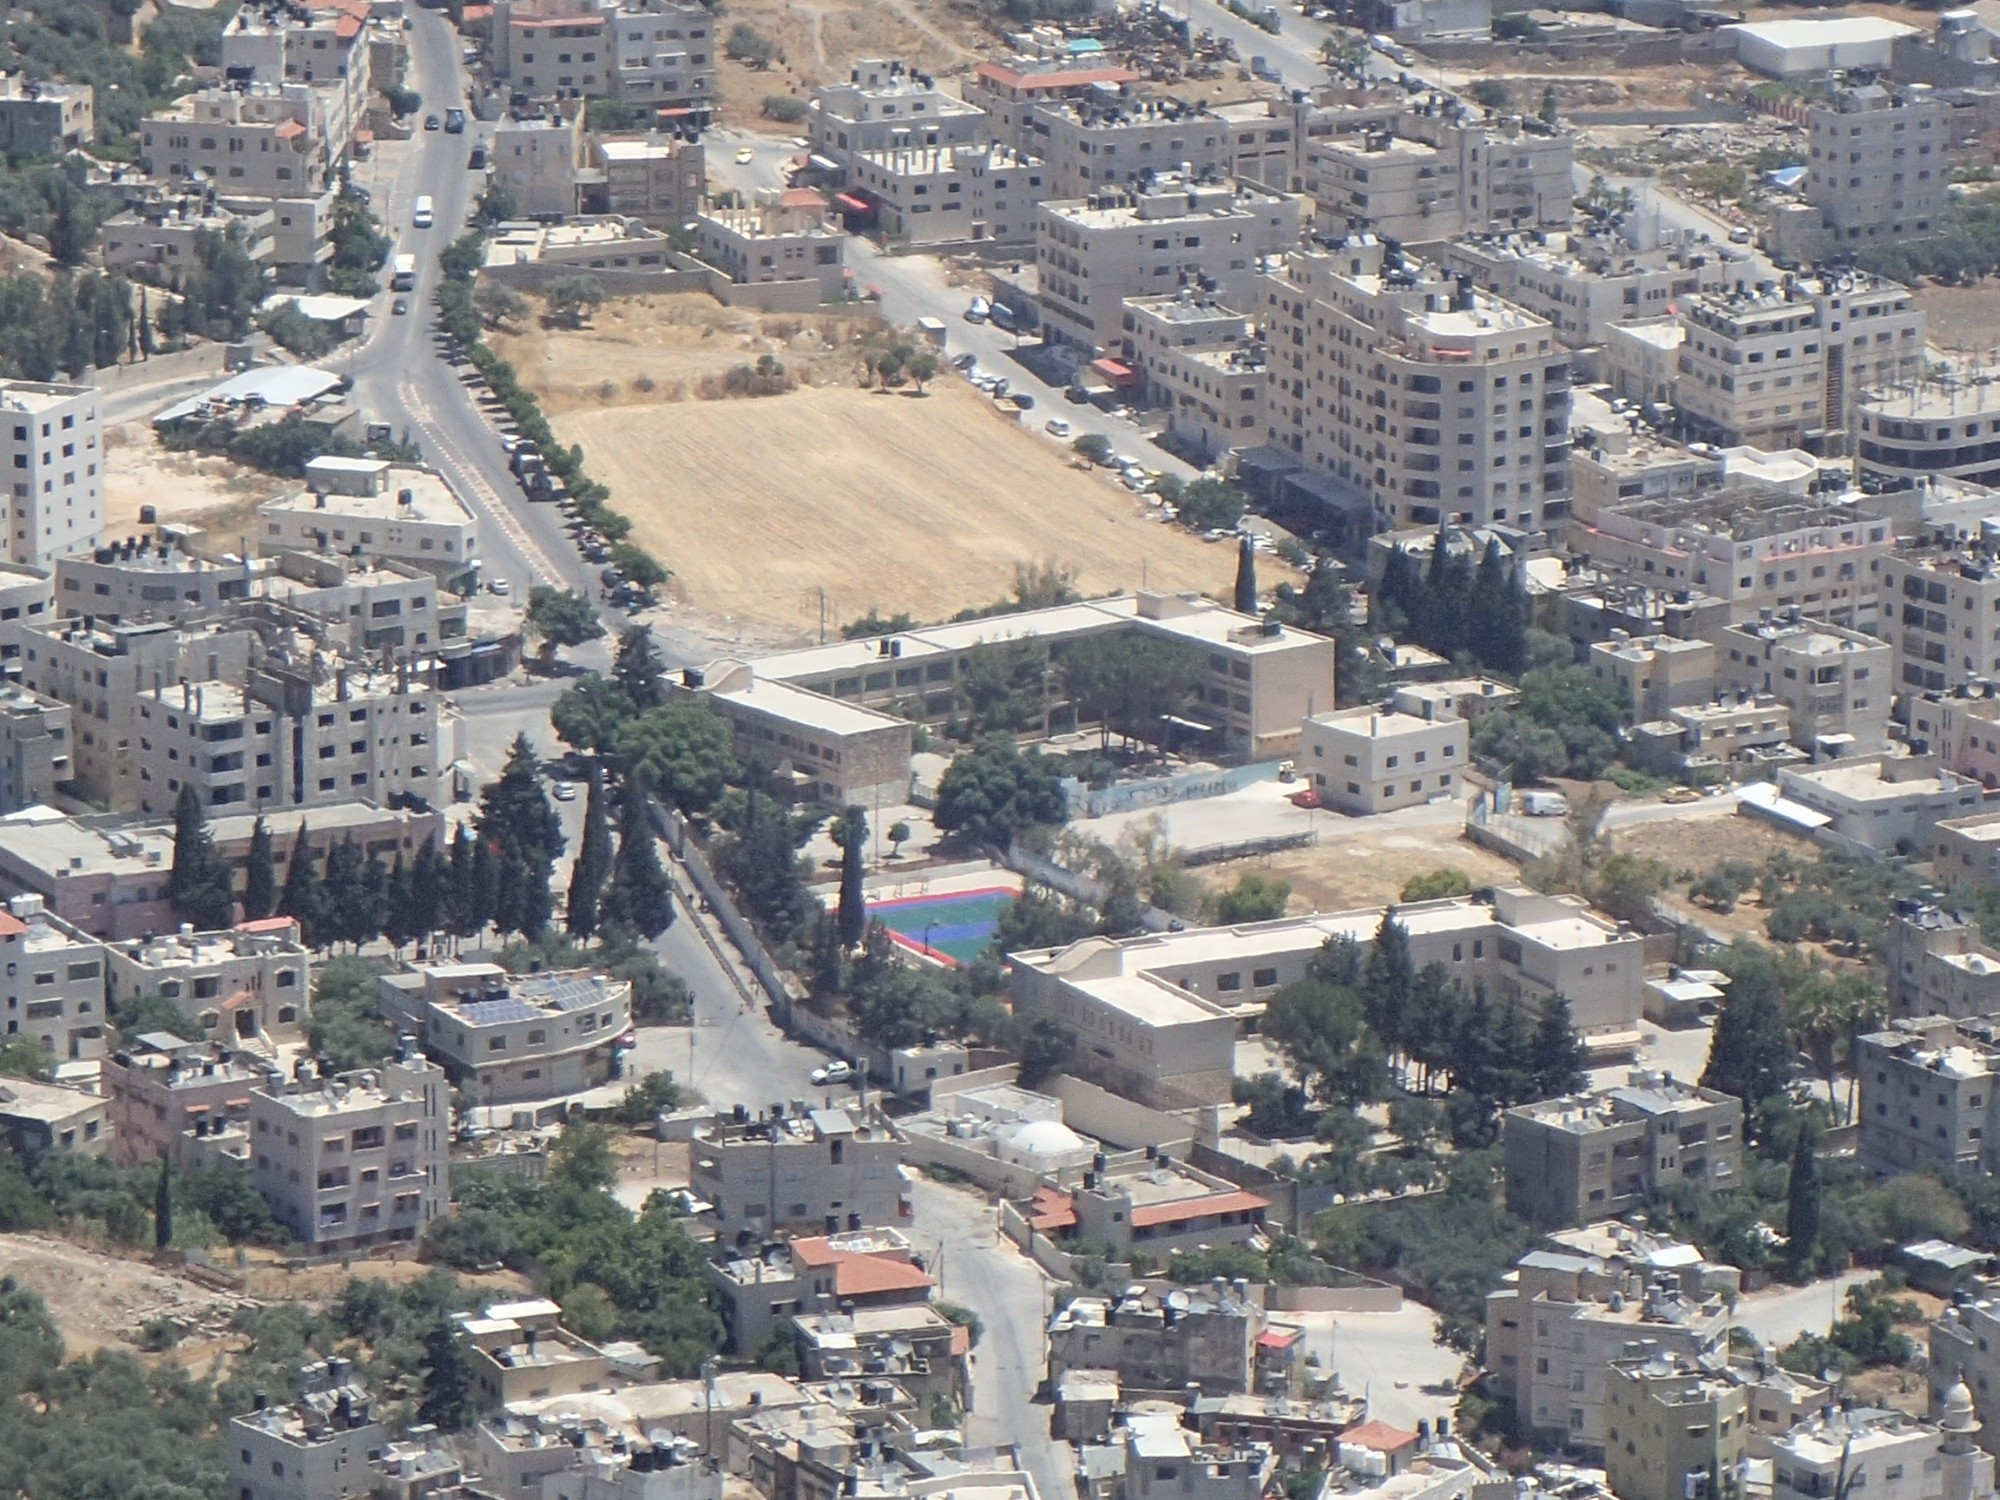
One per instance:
(1056, 78)
(961, 1340)
(11, 925)
(1182, 1209)
(858, 1273)
(1051, 1209)
(266, 924)
(1379, 1436)
(1278, 1338)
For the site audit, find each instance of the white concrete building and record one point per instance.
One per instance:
(1905, 1459)
(1096, 144)
(355, 1160)
(46, 117)
(385, 510)
(658, 180)
(658, 53)
(1093, 253)
(940, 195)
(785, 237)
(244, 986)
(811, 1170)
(1929, 429)
(54, 447)
(1964, 1363)
(1835, 683)
(887, 106)
(1876, 165)
(1371, 760)
(316, 1447)
(1883, 802)
(507, 1038)
(1586, 285)
(54, 983)
(538, 152)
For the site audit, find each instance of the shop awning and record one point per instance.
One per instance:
(1115, 371)
(850, 203)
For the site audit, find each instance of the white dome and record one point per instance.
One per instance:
(1046, 1138)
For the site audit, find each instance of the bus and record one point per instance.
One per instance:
(404, 277)
(420, 216)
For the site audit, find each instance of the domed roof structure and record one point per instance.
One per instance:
(1046, 1138)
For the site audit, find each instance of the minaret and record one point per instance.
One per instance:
(1968, 1472)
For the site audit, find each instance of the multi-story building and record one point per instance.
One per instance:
(784, 237)
(520, 1351)
(1095, 145)
(148, 579)
(1371, 760)
(1962, 727)
(915, 1346)
(939, 195)
(39, 118)
(54, 984)
(1165, 1461)
(1835, 683)
(35, 735)
(819, 1170)
(656, 179)
(538, 156)
(819, 1273)
(186, 1101)
(506, 1038)
(1674, 1428)
(1654, 673)
(1927, 1094)
(38, 1117)
(1586, 285)
(1161, 1012)
(1904, 1459)
(54, 442)
(1555, 1326)
(1922, 430)
(1601, 1155)
(888, 107)
(1941, 608)
(837, 752)
(328, 49)
(1008, 93)
(370, 607)
(1755, 547)
(317, 1447)
(1885, 802)
(160, 241)
(386, 510)
(661, 53)
(1211, 1343)
(1156, 1206)
(1875, 165)
(1092, 253)
(1782, 364)
(357, 1159)
(247, 985)
(1429, 398)
(294, 735)
(1258, 679)
(1965, 1360)
(1937, 966)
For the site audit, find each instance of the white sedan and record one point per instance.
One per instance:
(833, 1072)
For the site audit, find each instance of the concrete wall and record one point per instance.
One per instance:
(687, 276)
(1118, 1121)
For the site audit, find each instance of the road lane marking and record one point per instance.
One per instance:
(474, 484)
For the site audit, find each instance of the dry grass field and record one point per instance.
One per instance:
(885, 501)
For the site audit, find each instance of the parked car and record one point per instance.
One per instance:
(400, 306)
(1076, 395)
(500, 586)
(1057, 427)
(432, 122)
(564, 792)
(833, 1072)
(964, 361)
(1022, 401)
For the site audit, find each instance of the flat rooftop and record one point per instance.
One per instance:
(431, 499)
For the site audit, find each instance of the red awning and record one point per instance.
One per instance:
(851, 203)
(1115, 371)
(1184, 1210)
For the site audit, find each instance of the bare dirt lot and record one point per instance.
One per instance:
(819, 40)
(212, 492)
(1351, 866)
(1963, 318)
(99, 1300)
(884, 501)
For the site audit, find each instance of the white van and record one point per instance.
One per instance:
(422, 214)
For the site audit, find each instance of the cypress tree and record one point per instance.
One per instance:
(639, 670)
(399, 911)
(1390, 609)
(1556, 1055)
(639, 900)
(371, 914)
(593, 862)
(429, 877)
(483, 894)
(447, 1402)
(1387, 979)
(343, 900)
(200, 886)
(852, 914)
(1246, 577)
(300, 898)
(260, 875)
(163, 1208)
(1802, 1202)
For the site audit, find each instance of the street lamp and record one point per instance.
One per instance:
(929, 928)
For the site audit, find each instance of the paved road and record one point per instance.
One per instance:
(1778, 1317)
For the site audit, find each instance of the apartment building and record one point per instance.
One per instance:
(1919, 431)
(1907, 1459)
(520, 1351)
(833, 752)
(914, 1346)
(1563, 1316)
(107, 875)
(1884, 802)
(941, 195)
(1433, 400)
(1092, 253)
(160, 241)
(1875, 164)
(54, 984)
(1601, 1155)
(817, 1170)
(784, 237)
(553, 48)
(1672, 1427)
(1755, 547)
(538, 155)
(354, 1160)
(372, 608)
(887, 106)
(1164, 330)
(147, 578)
(1936, 965)
(330, 49)
(757, 1292)
(1836, 684)
(1215, 397)
(1258, 678)
(1156, 1206)
(1927, 1086)
(1165, 1461)
(1152, 1346)
(662, 53)
(35, 736)
(295, 734)
(38, 1117)
(1781, 364)
(1008, 93)
(1586, 284)
(244, 986)
(40, 118)
(508, 1038)
(398, 511)
(1655, 674)
(1161, 1012)
(1735, 727)
(1095, 145)
(186, 1101)
(316, 1447)
(1965, 1360)
(1941, 608)
(1372, 760)
(658, 180)
(54, 445)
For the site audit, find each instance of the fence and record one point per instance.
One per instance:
(1163, 791)
(778, 990)
(164, 369)
(1119, 1121)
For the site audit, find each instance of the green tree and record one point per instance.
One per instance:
(560, 618)
(1556, 1057)
(572, 299)
(1210, 504)
(430, 877)
(1320, 1030)
(1436, 885)
(163, 1208)
(851, 916)
(1092, 448)
(590, 713)
(638, 669)
(683, 751)
(300, 898)
(260, 875)
(200, 886)
(1750, 1053)
(640, 899)
(1246, 576)
(343, 897)
(992, 792)
(593, 862)
(1252, 899)
(1802, 1203)
(447, 1399)
(400, 913)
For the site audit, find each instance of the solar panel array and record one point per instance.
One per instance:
(493, 1012)
(563, 991)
